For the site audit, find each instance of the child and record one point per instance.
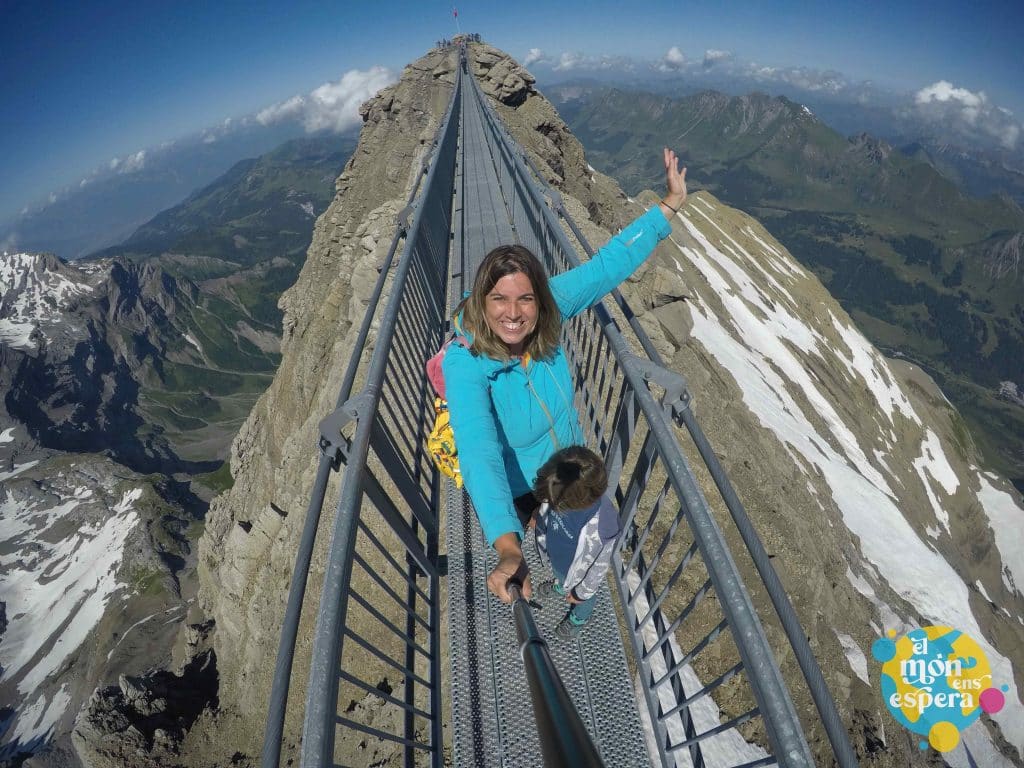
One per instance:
(576, 531)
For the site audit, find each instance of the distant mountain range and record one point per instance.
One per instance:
(110, 205)
(123, 379)
(929, 271)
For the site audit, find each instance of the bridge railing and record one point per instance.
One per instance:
(709, 678)
(377, 639)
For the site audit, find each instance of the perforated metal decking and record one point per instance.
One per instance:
(491, 714)
(493, 722)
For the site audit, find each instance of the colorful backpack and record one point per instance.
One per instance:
(441, 440)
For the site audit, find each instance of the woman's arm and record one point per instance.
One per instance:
(476, 436)
(483, 468)
(582, 287)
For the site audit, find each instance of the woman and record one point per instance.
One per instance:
(510, 392)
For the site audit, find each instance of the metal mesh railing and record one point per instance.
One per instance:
(691, 621)
(375, 665)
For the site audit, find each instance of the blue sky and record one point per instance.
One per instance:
(84, 83)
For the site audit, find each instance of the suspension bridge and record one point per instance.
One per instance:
(674, 669)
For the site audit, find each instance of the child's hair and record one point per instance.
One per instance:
(573, 478)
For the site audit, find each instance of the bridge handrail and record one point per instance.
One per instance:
(321, 701)
(271, 754)
(684, 416)
(322, 692)
(784, 729)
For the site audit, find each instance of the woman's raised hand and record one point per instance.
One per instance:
(675, 184)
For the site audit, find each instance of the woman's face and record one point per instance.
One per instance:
(511, 310)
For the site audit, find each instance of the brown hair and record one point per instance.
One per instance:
(573, 478)
(509, 260)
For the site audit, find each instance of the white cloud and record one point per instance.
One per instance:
(332, 106)
(533, 56)
(134, 162)
(967, 112)
(569, 61)
(805, 78)
(672, 61)
(945, 91)
(713, 57)
(285, 110)
(129, 164)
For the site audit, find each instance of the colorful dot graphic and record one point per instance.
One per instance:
(992, 700)
(936, 681)
(883, 649)
(943, 736)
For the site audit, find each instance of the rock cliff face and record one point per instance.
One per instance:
(245, 569)
(859, 475)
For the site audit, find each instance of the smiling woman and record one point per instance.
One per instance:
(510, 393)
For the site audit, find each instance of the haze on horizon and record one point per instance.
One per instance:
(92, 91)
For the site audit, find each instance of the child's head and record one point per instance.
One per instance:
(573, 478)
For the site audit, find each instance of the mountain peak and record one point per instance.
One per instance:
(35, 289)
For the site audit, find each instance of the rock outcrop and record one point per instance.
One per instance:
(142, 720)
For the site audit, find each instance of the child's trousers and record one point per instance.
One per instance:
(580, 612)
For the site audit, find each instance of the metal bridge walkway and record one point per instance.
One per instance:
(491, 711)
(377, 690)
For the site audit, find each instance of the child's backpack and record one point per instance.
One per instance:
(441, 440)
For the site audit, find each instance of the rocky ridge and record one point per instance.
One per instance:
(89, 336)
(873, 456)
(92, 559)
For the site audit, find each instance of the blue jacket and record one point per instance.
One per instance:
(501, 429)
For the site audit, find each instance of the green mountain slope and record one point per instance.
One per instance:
(929, 272)
(240, 242)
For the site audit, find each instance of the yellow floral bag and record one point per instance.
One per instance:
(441, 443)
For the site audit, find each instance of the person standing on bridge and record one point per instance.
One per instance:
(510, 391)
(576, 529)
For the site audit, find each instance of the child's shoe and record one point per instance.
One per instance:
(567, 628)
(550, 590)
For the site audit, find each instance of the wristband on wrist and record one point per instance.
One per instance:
(674, 210)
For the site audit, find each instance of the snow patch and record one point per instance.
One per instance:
(758, 364)
(765, 328)
(981, 588)
(39, 295)
(7, 436)
(724, 749)
(37, 720)
(887, 615)
(191, 340)
(17, 469)
(867, 364)
(1006, 520)
(855, 656)
(933, 462)
(58, 585)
